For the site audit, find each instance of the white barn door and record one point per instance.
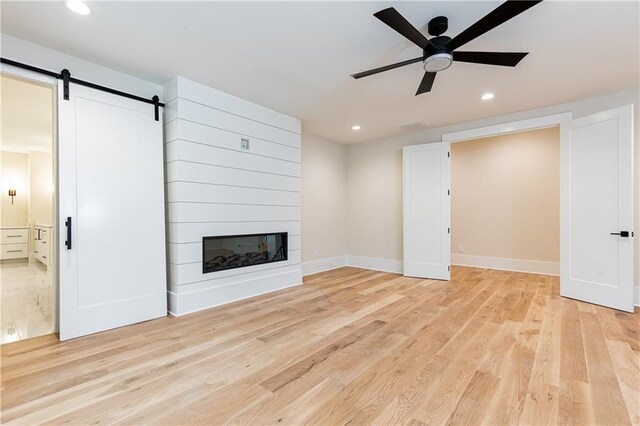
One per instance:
(596, 208)
(111, 190)
(427, 206)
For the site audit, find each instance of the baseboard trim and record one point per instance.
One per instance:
(506, 264)
(375, 263)
(322, 265)
(383, 265)
(183, 303)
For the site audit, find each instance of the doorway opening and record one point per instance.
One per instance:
(505, 202)
(28, 283)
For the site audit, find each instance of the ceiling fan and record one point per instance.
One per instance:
(439, 52)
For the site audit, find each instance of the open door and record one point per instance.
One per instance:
(427, 218)
(596, 208)
(111, 212)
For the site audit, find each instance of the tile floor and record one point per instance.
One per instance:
(26, 290)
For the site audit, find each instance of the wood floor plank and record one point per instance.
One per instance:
(626, 364)
(574, 403)
(349, 346)
(541, 405)
(608, 404)
(573, 365)
(475, 400)
(546, 364)
(302, 367)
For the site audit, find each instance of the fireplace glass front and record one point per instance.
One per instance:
(237, 251)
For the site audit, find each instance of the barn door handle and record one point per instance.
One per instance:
(621, 233)
(67, 223)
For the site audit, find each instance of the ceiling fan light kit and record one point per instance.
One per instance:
(437, 62)
(439, 52)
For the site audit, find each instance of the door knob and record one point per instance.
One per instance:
(621, 233)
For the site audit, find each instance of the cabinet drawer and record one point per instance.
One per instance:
(43, 257)
(14, 251)
(14, 236)
(43, 233)
(42, 247)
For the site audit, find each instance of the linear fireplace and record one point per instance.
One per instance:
(237, 251)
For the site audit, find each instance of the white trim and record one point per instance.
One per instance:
(199, 300)
(321, 265)
(507, 264)
(29, 75)
(506, 128)
(376, 264)
(637, 298)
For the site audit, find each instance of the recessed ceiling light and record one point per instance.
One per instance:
(355, 127)
(79, 7)
(487, 96)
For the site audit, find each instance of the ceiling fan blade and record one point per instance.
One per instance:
(498, 16)
(392, 18)
(386, 68)
(507, 59)
(426, 83)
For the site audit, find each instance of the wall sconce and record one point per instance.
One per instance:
(12, 193)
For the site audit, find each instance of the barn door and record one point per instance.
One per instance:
(111, 212)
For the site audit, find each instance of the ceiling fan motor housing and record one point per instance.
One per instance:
(436, 56)
(438, 25)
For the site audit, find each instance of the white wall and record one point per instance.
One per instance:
(40, 188)
(374, 179)
(14, 174)
(214, 187)
(505, 201)
(324, 201)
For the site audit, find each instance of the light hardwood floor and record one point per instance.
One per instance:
(348, 346)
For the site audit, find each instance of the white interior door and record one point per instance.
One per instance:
(112, 188)
(427, 207)
(596, 206)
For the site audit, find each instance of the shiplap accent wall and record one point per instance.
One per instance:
(214, 187)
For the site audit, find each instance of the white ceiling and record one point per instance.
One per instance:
(296, 57)
(26, 111)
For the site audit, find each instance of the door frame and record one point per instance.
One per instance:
(508, 127)
(53, 83)
(537, 123)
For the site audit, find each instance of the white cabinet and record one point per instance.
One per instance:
(14, 243)
(42, 243)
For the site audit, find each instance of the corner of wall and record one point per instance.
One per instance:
(324, 204)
